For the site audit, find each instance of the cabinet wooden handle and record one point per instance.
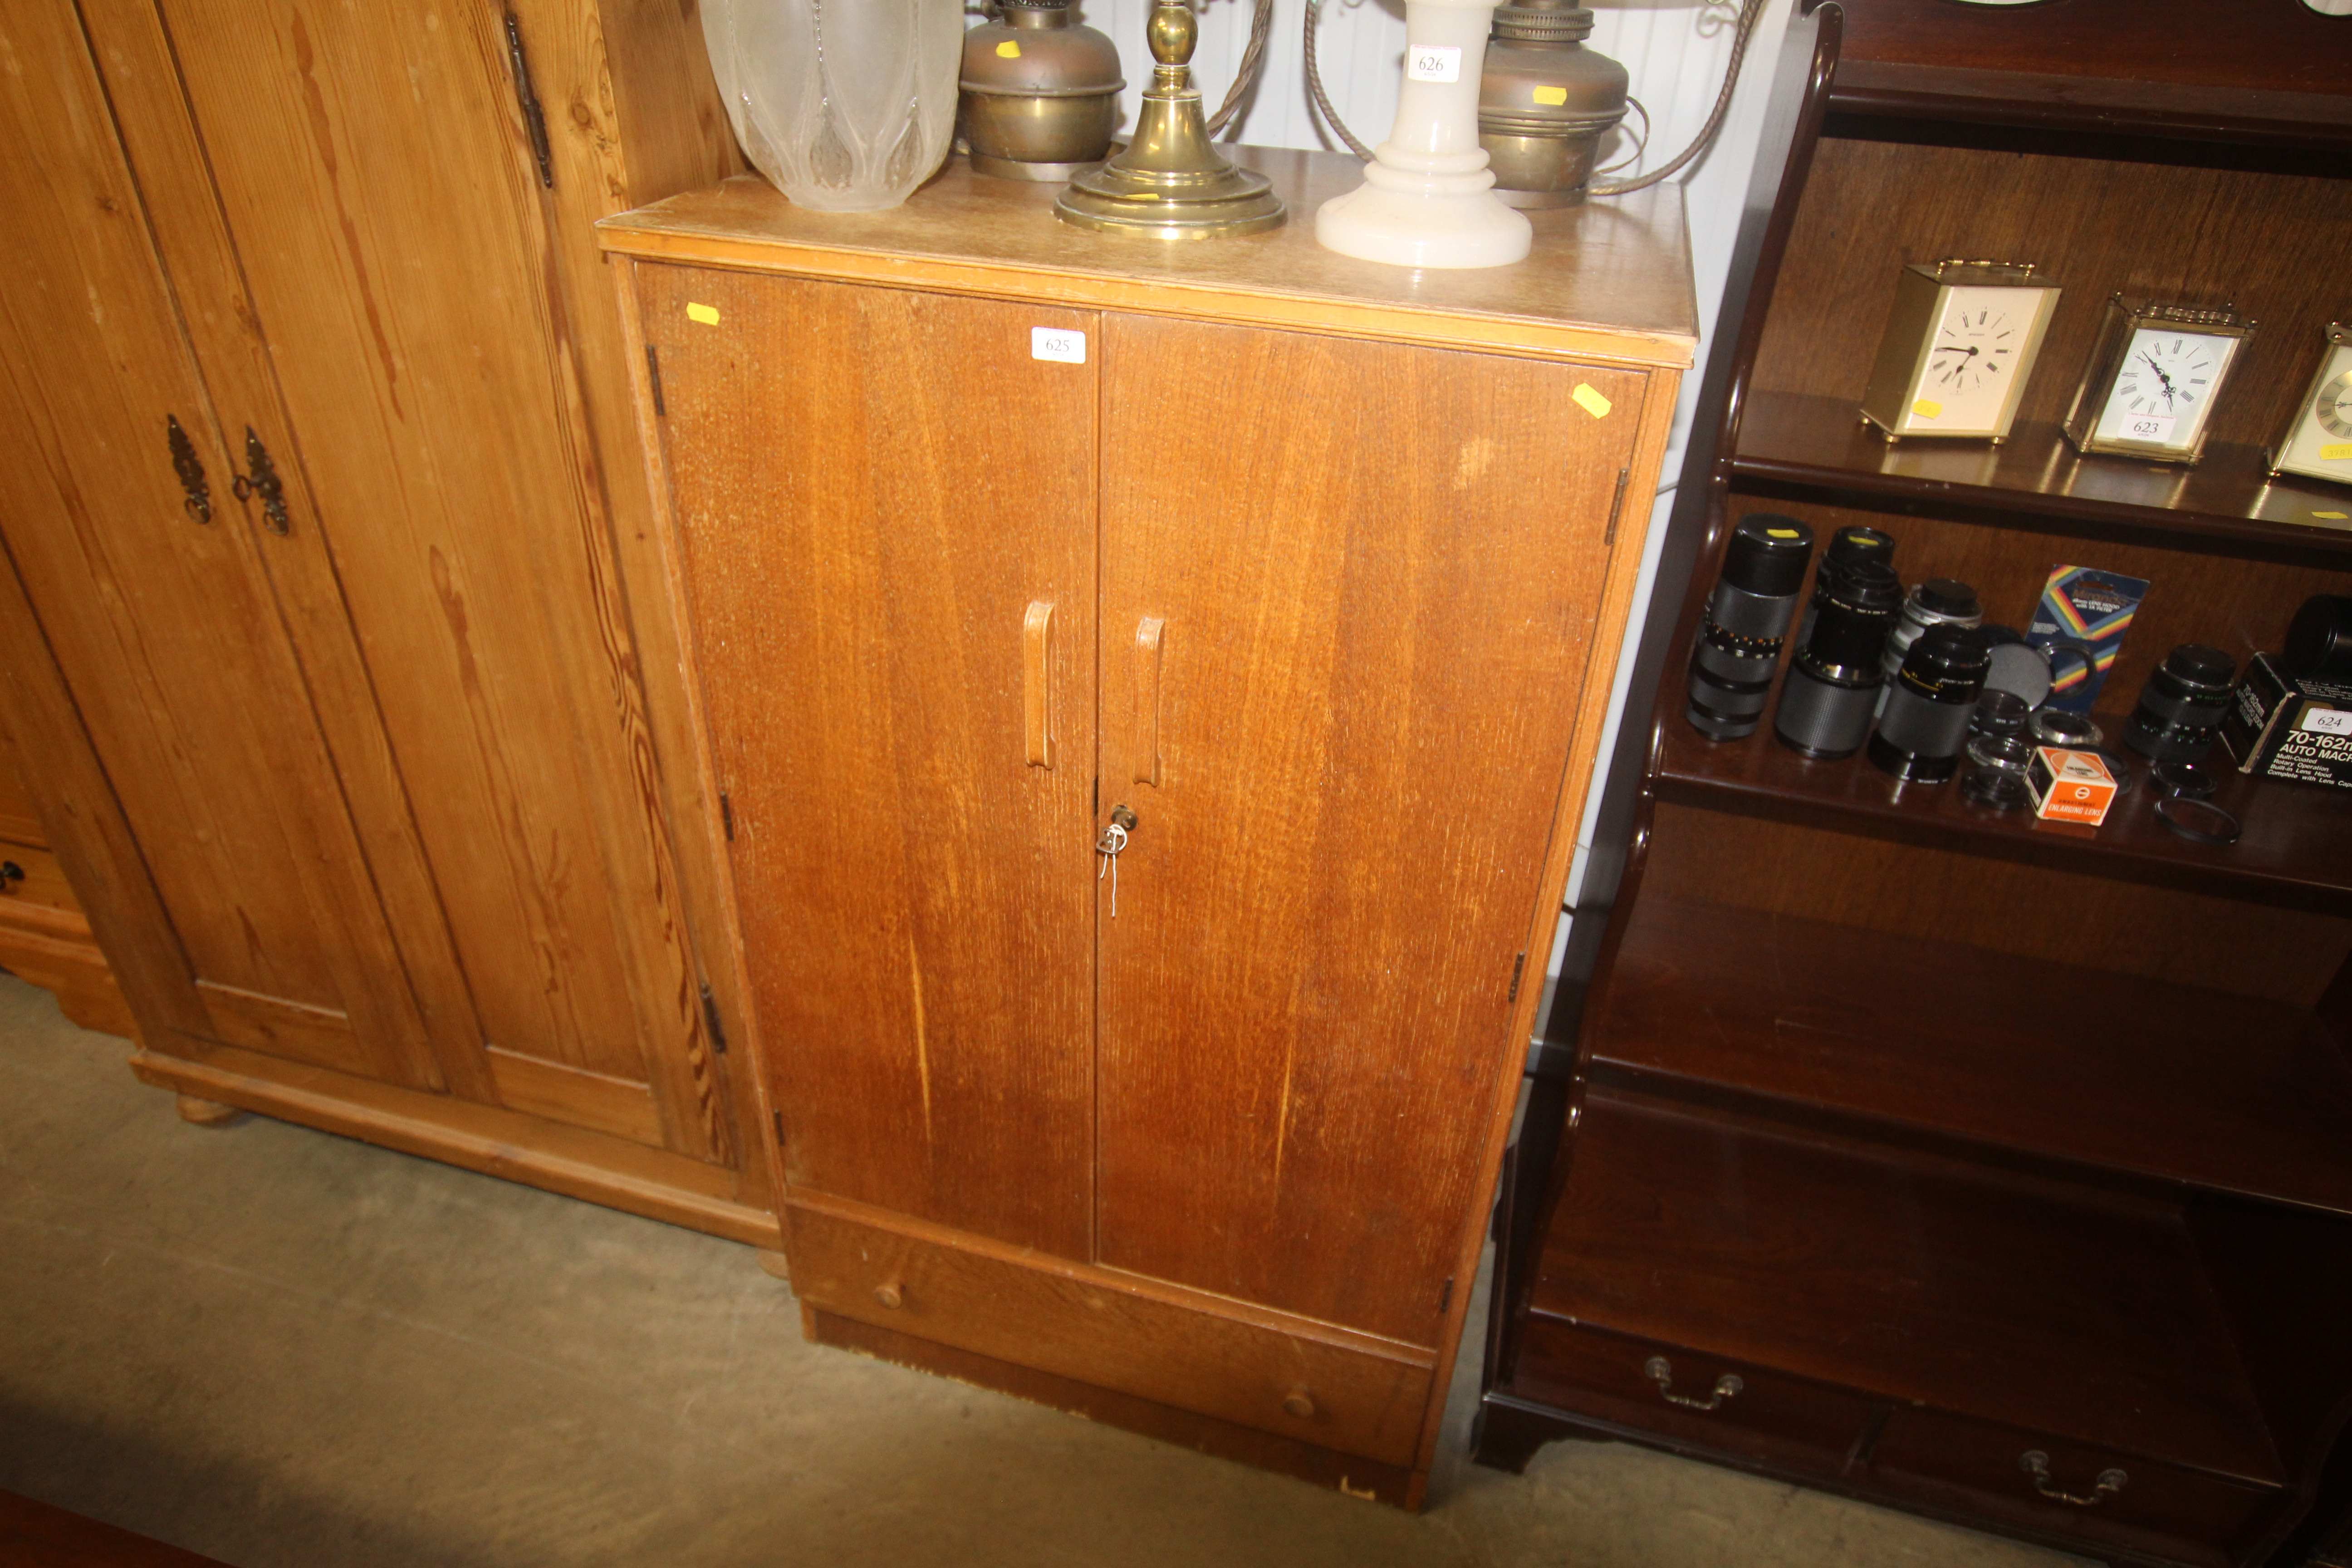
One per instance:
(1151, 639)
(1038, 683)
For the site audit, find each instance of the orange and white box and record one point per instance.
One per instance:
(2070, 785)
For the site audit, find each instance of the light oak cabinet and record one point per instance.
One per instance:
(322, 499)
(992, 534)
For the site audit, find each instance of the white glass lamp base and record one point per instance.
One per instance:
(1428, 198)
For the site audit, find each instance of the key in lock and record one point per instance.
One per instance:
(1108, 843)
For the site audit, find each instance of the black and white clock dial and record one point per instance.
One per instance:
(1975, 348)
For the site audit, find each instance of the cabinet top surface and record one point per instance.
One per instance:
(1611, 278)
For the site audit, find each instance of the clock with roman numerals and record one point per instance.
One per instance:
(2155, 376)
(1958, 349)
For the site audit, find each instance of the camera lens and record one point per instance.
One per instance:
(1928, 706)
(1851, 546)
(2180, 708)
(1740, 636)
(1937, 601)
(2319, 638)
(1834, 678)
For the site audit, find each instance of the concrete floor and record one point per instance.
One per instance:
(279, 1347)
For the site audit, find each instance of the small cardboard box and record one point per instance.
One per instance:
(2283, 726)
(2069, 785)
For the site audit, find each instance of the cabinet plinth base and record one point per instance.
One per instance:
(1356, 1476)
(573, 1161)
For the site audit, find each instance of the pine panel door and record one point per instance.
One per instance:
(881, 495)
(152, 609)
(1335, 640)
(392, 231)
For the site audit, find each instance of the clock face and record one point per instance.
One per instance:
(2332, 406)
(2164, 389)
(1973, 356)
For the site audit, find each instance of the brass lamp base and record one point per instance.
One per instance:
(1171, 182)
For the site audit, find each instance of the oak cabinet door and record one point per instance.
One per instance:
(886, 502)
(1347, 587)
(151, 601)
(375, 171)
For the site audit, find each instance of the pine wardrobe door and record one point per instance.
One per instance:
(1343, 635)
(887, 504)
(137, 558)
(388, 211)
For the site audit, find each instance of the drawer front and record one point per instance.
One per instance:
(1691, 1397)
(1342, 1392)
(1952, 1461)
(40, 886)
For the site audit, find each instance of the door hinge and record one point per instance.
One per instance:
(711, 1021)
(1616, 505)
(727, 815)
(534, 119)
(191, 469)
(653, 375)
(1518, 964)
(779, 1127)
(262, 482)
(1445, 1297)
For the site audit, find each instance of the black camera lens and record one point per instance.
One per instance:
(1834, 676)
(1851, 546)
(1746, 615)
(2180, 708)
(1929, 705)
(1937, 601)
(2319, 638)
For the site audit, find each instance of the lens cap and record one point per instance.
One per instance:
(1949, 596)
(1767, 555)
(2195, 664)
(2185, 780)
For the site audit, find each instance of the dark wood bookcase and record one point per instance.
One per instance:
(1996, 1170)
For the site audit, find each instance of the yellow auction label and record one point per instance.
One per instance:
(1592, 402)
(2341, 452)
(1551, 95)
(706, 314)
(1927, 408)
(1008, 50)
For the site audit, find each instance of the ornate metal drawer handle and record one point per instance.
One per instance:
(1662, 1373)
(2036, 1463)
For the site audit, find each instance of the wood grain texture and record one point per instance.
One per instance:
(2268, 241)
(2051, 1309)
(1351, 1393)
(863, 539)
(1608, 282)
(164, 626)
(539, 1152)
(1349, 1473)
(634, 116)
(1795, 1012)
(1306, 987)
(1929, 895)
(441, 428)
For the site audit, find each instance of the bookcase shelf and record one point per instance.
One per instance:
(1952, 1137)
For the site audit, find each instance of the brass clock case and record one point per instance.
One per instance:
(2123, 320)
(1896, 404)
(2317, 441)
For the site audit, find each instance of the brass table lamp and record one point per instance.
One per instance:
(1170, 181)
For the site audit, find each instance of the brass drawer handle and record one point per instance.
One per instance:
(2036, 1463)
(1662, 1373)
